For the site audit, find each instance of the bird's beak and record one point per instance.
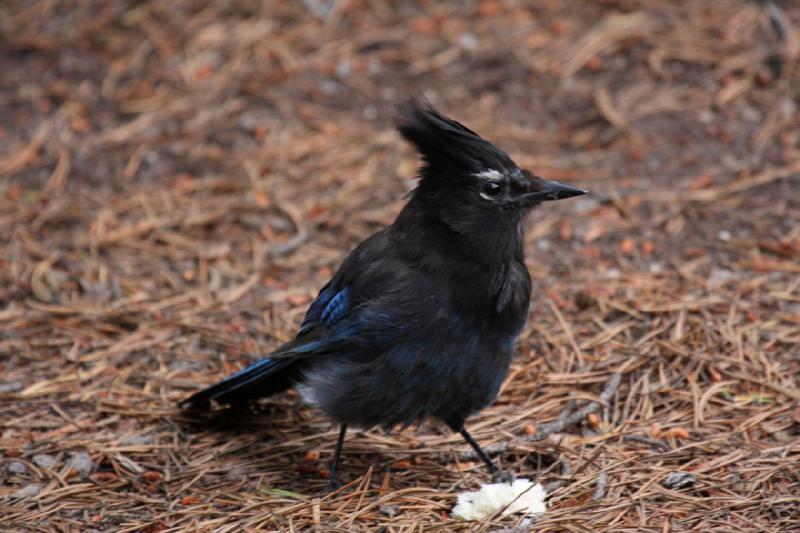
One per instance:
(552, 190)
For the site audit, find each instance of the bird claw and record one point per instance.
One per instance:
(502, 476)
(332, 486)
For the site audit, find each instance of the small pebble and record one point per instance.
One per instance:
(136, 440)
(719, 277)
(27, 491)
(236, 473)
(10, 386)
(16, 468)
(344, 69)
(679, 480)
(388, 510)
(81, 463)
(468, 41)
(43, 460)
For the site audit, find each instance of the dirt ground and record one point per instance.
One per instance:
(178, 179)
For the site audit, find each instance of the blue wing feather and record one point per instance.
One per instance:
(328, 309)
(314, 313)
(337, 308)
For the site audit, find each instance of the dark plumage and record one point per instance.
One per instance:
(421, 318)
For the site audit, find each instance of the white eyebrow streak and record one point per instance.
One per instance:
(490, 174)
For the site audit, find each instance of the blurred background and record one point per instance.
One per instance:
(178, 179)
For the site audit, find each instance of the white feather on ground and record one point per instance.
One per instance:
(520, 496)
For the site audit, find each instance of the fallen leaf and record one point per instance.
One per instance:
(677, 433)
(627, 246)
(702, 182)
(424, 25)
(490, 8)
(401, 465)
(655, 430)
(152, 476)
(102, 478)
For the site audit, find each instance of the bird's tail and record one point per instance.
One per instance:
(263, 378)
(267, 376)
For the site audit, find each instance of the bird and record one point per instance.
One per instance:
(421, 319)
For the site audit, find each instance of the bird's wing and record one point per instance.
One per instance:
(329, 307)
(364, 304)
(364, 300)
(338, 317)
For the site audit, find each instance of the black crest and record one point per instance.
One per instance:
(447, 145)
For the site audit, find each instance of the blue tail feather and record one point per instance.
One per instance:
(262, 378)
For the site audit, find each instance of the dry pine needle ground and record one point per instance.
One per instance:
(177, 179)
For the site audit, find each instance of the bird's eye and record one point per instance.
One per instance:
(491, 189)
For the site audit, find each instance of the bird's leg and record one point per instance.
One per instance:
(478, 450)
(333, 484)
(498, 476)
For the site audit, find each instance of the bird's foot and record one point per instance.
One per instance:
(502, 476)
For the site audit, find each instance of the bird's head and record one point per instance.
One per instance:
(464, 173)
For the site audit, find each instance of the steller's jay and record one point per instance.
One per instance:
(421, 318)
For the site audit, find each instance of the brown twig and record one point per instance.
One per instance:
(566, 420)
